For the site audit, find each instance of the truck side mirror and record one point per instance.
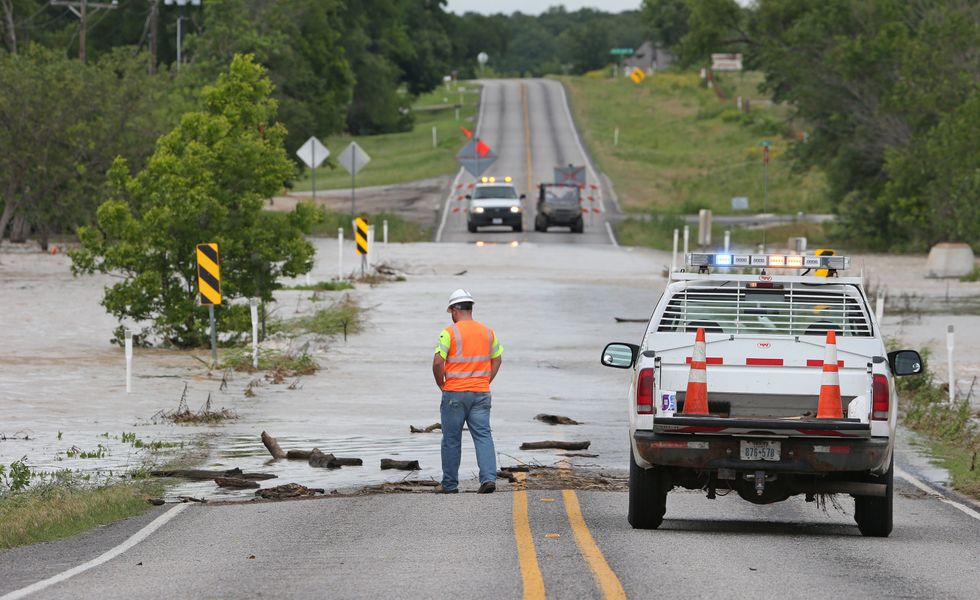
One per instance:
(523, 196)
(619, 355)
(469, 197)
(905, 362)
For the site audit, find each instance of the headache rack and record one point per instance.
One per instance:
(739, 306)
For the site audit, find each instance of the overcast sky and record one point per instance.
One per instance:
(536, 7)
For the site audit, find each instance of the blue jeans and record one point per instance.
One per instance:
(473, 408)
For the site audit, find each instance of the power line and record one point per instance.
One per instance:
(80, 8)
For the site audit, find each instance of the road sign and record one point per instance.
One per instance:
(621, 51)
(353, 158)
(570, 175)
(637, 75)
(208, 274)
(482, 58)
(726, 62)
(361, 235)
(476, 157)
(740, 203)
(313, 153)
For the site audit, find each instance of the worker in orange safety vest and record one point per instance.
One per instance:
(465, 362)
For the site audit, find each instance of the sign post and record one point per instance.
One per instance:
(353, 159)
(253, 309)
(361, 241)
(209, 288)
(313, 153)
(949, 351)
(129, 361)
(765, 186)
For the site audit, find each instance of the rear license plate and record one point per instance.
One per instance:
(760, 450)
(498, 221)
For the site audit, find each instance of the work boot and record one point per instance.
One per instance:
(487, 487)
(441, 490)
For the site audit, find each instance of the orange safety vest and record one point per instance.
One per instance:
(468, 359)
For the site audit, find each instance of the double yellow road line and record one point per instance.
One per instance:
(534, 589)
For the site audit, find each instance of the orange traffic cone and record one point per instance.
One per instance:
(696, 399)
(828, 407)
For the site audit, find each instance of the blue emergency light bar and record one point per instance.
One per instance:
(771, 261)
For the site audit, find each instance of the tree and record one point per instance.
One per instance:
(205, 182)
(666, 20)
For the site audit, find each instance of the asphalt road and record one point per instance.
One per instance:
(476, 546)
(528, 124)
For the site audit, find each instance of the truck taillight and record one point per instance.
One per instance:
(644, 392)
(879, 398)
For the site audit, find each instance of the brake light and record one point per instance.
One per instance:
(880, 398)
(644, 392)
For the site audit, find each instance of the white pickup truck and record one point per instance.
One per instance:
(765, 343)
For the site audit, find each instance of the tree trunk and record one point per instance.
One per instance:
(9, 206)
(19, 230)
(10, 31)
(404, 465)
(200, 474)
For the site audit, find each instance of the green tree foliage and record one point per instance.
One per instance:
(666, 20)
(205, 182)
(62, 124)
(887, 88)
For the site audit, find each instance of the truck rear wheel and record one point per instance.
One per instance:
(578, 226)
(471, 227)
(874, 514)
(648, 496)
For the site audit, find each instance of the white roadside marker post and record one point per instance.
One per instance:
(880, 307)
(253, 307)
(435, 137)
(129, 361)
(616, 137)
(370, 254)
(340, 254)
(673, 257)
(728, 239)
(687, 236)
(949, 352)
(384, 230)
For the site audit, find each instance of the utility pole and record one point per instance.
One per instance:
(180, 19)
(80, 9)
(765, 186)
(154, 29)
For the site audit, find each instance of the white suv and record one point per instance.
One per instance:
(493, 203)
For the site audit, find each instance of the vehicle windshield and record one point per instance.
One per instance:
(561, 195)
(495, 191)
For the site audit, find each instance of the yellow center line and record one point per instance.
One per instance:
(530, 572)
(608, 582)
(527, 139)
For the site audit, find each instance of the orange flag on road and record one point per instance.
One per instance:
(481, 148)
(466, 132)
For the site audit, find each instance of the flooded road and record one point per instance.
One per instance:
(62, 383)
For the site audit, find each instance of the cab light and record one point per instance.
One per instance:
(493, 180)
(723, 260)
(794, 261)
(508, 179)
(515, 209)
(880, 398)
(644, 392)
(484, 179)
(777, 260)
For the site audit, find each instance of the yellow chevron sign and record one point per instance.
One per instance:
(208, 274)
(637, 75)
(361, 235)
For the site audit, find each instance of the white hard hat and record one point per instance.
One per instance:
(458, 296)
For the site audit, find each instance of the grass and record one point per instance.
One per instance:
(658, 232)
(400, 231)
(972, 276)
(953, 434)
(682, 149)
(343, 316)
(55, 511)
(290, 364)
(322, 286)
(407, 156)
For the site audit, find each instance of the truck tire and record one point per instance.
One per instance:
(648, 496)
(471, 227)
(873, 514)
(578, 226)
(519, 227)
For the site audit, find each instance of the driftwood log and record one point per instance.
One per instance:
(552, 444)
(204, 475)
(232, 482)
(289, 490)
(272, 446)
(516, 468)
(299, 454)
(580, 454)
(403, 465)
(556, 420)
(506, 475)
(428, 429)
(325, 461)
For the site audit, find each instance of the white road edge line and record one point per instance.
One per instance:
(452, 190)
(134, 539)
(588, 162)
(928, 490)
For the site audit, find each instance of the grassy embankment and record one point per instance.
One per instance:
(951, 428)
(682, 149)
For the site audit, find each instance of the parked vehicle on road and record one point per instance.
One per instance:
(495, 202)
(559, 204)
(766, 344)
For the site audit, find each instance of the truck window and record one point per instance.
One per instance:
(795, 310)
